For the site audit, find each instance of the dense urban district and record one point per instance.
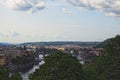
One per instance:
(62, 60)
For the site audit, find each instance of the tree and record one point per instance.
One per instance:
(59, 66)
(4, 73)
(89, 72)
(108, 64)
(16, 76)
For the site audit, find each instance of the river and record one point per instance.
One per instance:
(25, 75)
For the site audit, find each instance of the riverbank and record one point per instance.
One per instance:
(25, 75)
(28, 68)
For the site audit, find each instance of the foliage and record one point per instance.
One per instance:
(4, 73)
(23, 59)
(89, 72)
(59, 66)
(16, 76)
(108, 64)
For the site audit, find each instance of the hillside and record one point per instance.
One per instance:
(60, 43)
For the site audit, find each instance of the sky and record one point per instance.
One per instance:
(58, 20)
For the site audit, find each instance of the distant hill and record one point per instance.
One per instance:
(60, 43)
(101, 44)
(5, 44)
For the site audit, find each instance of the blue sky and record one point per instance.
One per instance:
(58, 20)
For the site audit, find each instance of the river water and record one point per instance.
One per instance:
(26, 74)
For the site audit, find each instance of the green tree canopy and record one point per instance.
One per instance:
(4, 73)
(16, 76)
(108, 64)
(59, 66)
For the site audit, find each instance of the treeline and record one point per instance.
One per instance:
(4, 74)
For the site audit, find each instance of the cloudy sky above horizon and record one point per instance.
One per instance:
(58, 20)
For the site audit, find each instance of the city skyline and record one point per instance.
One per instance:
(58, 20)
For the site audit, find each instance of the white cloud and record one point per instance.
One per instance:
(24, 5)
(15, 34)
(109, 7)
(66, 11)
(10, 34)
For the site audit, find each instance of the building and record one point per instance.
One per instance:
(3, 58)
(7, 55)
